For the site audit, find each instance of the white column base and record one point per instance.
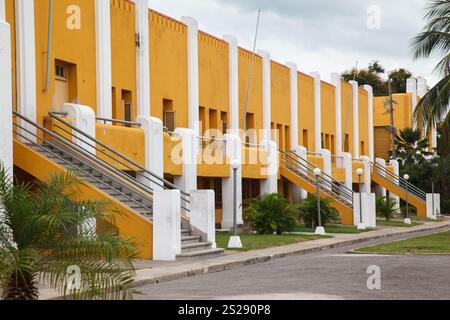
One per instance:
(235, 242)
(369, 218)
(407, 221)
(361, 226)
(83, 118)
(320, 231)
(437, 205)
(203, 214)
(188, 180)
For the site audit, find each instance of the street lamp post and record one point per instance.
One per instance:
(235, 239)
(361, 225)
(320, 230)
(407, 219)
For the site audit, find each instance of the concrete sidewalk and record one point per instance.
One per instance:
(150, 272)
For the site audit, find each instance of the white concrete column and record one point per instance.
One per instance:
(379, 189)
(369, 90)
(396, 172)
(203, 215)
(142, 59)
(270, 185)
(6, 138)
(294, 104)
(299, 193)
(326, 156)
(154, 150)
(411, 87)
(2, 10)
(193, 86)
(368, 210)
(436, 206)
(345, 161)
(26, 63)
(233, 152)
(233, 82)
(188, 180)
(367, 176)
(356, 141)
(267, 113)
(103, 54)
(166, 225)
(422, 87)
(83, 118)
(336, 81)
(317, 112)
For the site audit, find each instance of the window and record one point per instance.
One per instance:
(346, 143)
(362, 150)
(213, 119)
(224, 120)
(60, 71)
(169, 115)
(202, 117)
(305, 138)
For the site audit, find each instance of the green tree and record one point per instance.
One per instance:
(434, 39)
(385, 207)
(44, 234)
(308, 212)
(370, 76)
(399, 77)
(270, 213)
(410, 147)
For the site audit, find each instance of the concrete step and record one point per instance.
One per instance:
(191, 247)
(209, 253)
(190, 239)
(185, 232)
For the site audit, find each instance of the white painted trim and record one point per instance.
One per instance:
(2, 10)
(267, 112)
(234, 82)
(356, 141)
(26, 63)
(369, 90)
(317, 112)
(143, 59)
(6, 138)
(411, 87)
(336, 81)
(154, 148)
(294, 103)
(103, 55)
(193, 79)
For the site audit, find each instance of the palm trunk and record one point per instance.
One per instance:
(21, 287)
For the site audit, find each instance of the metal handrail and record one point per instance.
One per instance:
(312, 167)
(327, 183)
(70, 164)
(130, 123)
(388, 175)
(135, 164)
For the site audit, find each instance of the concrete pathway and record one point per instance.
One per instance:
(150, 272)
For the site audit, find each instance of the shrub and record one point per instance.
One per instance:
(270, 213)
(308, 212)
(385, 207)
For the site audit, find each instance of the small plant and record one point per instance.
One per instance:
(270, 213)
(308, 212)
(386, 207)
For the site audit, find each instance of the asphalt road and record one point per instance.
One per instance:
(330, 274)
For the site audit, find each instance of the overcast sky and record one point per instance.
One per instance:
(325, 36)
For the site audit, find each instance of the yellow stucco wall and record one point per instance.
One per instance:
(347, 117)
(363, 122)
(305, 85)
(328, 116)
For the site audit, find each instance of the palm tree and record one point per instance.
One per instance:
(435, 39)
(46, 236)
(410, 147)
(386, 207)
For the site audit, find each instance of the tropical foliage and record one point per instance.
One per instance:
(307, 209)
(270, 213)
(434, 39)
(410, 147)
(386, 207)
(48, 237)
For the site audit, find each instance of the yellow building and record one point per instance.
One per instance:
(157, 105)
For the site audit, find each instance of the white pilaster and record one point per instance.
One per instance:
(233, 152)
(300, 194)
(154, 149)
(234, 82)
(83, 118)
(26, 62)
(6, 139)
(422, 87)
(193, 86)
(270, 185)
(411, 87)
(369, 90)
(2, 10)
(103, 54)
(396, 172)
(294, 104)
(267, 113)
(355, 119)
(326, 156)
(203, 214)
(317, 112)
(379, 189)
(188, 180)
(142, 58)
(436, 197)
(166, 225)
(368, 209)
(367, 176)
(336, 81)
(345, 161)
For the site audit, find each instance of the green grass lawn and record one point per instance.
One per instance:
(262, 241)
(397, 223)
(435, 243)
(419, 219)
(333, 229)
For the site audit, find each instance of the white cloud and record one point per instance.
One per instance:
(326, 35)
